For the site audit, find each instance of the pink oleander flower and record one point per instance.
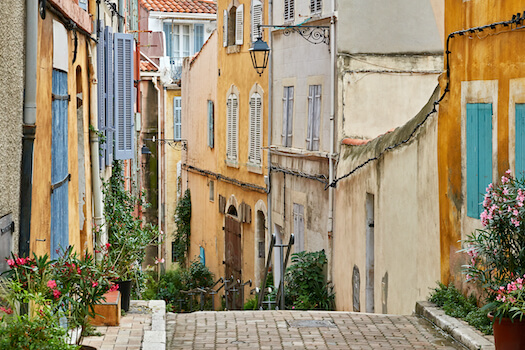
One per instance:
(21, 261)
(113, 287)
(56, 293)
(159, 261)
(504, 180)
(11, 263)
(505, 191)
(8, 311)
(52, 284)
(94, 284)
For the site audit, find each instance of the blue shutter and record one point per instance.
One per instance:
(479, 154)
(108, 78)
(210, 124)
(123, 95)
(202, 256)
(167, 33)
(520, 139)
(59, 163)
(101, 94)
(198, 36)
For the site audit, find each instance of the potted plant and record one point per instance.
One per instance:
(128, 234)
(497, 259)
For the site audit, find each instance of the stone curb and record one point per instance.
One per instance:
(457, 329)
(156, 338)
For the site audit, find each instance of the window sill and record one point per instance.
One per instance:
(232, 163)
(254, 168)
(233, 49)
(281, 150)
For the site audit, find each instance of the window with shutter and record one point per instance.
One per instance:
(287, 116)
(254, 153)
(316, 6)
(83, 4)
(211, 127)
(225, 28)
(177, 118)
(479, 154)
(198, 36)
(123, 97)
(289, 10)
(256, 19)
(108, 81)
(239, 25)
(232, 116)
(314, 118)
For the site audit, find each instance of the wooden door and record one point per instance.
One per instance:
(233, 261)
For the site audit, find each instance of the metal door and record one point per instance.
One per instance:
(232, 241)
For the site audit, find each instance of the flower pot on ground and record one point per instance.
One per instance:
(509, 334)
(125, 293)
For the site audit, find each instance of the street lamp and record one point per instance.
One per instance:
(259, 53)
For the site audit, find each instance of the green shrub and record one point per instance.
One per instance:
(251, 304)
(457, 305)
(306, 286)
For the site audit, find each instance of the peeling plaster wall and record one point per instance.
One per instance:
(404, 183)
(12, 35)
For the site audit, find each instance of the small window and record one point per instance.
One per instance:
(177, 124)
(254, 153)
(520, 140)
(316, 6)
(211, 122)
(289, 10)
(232, 115)
(212, 191)
(83, 4)
(202, 256)
(298, 227)
(287, 116)
(198, 37)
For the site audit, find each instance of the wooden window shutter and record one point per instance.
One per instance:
(255, 129)
(287, 116)
(108, 78)
(235, 128)
(225, 28)
(289, 12)
(520, 139)
(229, 117)
(222, 204)
(316, 6)
(123, 79)
(101, 96)
(256, 19)
(239, 25)
(211, 122)
(177, 123)
(314, 117)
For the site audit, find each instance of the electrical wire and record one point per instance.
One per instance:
(223, 178)
(515, 20)
(320, 177)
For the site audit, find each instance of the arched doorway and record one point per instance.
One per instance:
(233, 257)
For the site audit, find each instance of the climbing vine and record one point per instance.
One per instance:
(181, 242)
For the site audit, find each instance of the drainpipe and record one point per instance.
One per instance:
(331, 190)
(270, 89)
(159, 167)
(96, 182)
(29, 127)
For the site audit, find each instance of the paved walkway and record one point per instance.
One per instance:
(301, 330)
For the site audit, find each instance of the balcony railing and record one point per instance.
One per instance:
(176, 68)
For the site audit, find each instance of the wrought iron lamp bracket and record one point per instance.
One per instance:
(312, 34)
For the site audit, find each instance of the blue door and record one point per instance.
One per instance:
(59, 169)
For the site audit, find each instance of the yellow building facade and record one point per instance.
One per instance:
(485, 72)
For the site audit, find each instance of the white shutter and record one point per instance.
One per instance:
(239, 25)
(257, 19)
(298, 227)
(235, 129)
(316, 6)
(101, 94)
(225, 28)
(317, 118)
(289, 13)
(287, 116)
(254, 154)
(311, 95)
(229, 116)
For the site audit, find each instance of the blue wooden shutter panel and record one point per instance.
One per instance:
(108, 81)
(101, 94)
(123, 92)
(59, 163)
(479, 154)
(520, 140)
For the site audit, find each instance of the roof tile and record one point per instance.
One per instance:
(184, 6)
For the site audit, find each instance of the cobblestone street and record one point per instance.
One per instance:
(301, 330)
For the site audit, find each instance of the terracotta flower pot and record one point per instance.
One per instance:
(508, 334)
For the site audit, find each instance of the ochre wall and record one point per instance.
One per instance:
(492, 55)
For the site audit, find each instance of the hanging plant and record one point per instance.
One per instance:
(181, 242)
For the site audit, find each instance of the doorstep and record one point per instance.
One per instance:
(461, 331)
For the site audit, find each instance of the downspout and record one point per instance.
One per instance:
(331, 190)
(98, 204)
(159, 166)
(29, 126)
(270, 92)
